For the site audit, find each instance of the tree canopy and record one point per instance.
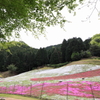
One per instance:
(96, 40)
(23, 58)
(95, 45)
(31, 15)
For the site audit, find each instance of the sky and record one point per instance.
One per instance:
(78, 27)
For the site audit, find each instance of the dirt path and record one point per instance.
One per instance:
(5, 98)
(12, 99)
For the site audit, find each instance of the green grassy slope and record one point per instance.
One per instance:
(17, 97)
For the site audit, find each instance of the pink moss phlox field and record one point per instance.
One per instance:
(72, 76)
(70, 88)
(86, 89)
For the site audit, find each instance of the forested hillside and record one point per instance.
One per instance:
(21, 58)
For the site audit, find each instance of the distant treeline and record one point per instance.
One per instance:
(21, 58)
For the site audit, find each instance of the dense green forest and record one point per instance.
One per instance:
(21, 58)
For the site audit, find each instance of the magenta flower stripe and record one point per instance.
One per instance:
(80, 89)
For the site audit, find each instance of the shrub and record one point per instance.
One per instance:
(12, 68)
(95, 50)
(85, 54)
(57, 65)
(75, 56)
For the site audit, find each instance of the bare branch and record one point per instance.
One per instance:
(94, 7)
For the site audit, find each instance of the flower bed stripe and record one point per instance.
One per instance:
(79, 89)
(72, 76)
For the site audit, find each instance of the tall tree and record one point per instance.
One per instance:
(56, 57)
(3, 60)
(95, 45)
(63, 49)
(95, 40)
(41, 57)
(22, 56)
(87, 43)
(74, 45)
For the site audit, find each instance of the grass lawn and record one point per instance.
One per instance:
(18, 97)
(92, 60)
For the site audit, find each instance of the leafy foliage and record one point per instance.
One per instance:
(85, 54)
(3, 60)
(57, 65)
(96, 40)
(75, 56)
(56, 57)
(32, 15)
(63, 49)
(95, 50)
(87, 43)
(26, 58)
(95, 45)
(41, 57)
(74, 45)
(12, 68)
